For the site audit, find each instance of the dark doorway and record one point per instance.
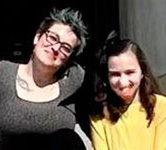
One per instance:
(20, 19)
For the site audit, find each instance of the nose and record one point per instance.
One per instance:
(123, 82)
(56, 47)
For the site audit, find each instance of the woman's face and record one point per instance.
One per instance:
(55, 46)
(125, 75)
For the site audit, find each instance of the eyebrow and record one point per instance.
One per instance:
(59, 39)
(111, 70)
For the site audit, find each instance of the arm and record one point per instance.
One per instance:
(83, 136)
(160, 135)
(160, 129)
(98, 135)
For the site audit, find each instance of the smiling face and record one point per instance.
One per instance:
(124, 75)
(55, 46)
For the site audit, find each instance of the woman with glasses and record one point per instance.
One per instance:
(130, 111)
(37, 99)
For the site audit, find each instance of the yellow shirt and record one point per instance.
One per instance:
(131, 131)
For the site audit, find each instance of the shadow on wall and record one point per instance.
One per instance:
(162, 83)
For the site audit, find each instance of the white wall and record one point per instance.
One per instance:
(145, 22)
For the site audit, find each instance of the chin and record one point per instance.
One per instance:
(128, 101)
(127, 98)
(57, 64)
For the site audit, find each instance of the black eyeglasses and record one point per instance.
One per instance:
(52, 38)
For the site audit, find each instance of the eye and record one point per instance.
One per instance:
(66, 49)
(114, 74)
(52, 38)
(129, 72)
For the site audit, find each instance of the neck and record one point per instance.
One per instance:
(137, 97)
(41, 74)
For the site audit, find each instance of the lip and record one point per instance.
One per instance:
(124, 92)
(126, 95)
(55, 54)
(50, 54)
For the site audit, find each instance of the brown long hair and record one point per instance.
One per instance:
(113, 106)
